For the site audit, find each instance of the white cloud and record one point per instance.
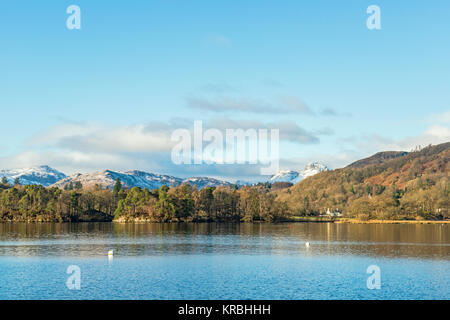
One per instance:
(358, 147)
(78, 147)
(435, 134)
(83, 147)
(100, 138)
(66, 160)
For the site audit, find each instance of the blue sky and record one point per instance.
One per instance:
(106, 96)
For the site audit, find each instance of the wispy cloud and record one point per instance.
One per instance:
(272, 83)
(289, 130)
(219, 88)
(285, 104)
(331, 112)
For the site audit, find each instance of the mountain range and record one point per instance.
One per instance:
(135, 178)
(49, 177)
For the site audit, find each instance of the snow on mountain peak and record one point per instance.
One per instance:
(43, 175)
(202, 182)
(136, 178)
(47, 176)
(284, 176)
(296, 176)
(312, 168)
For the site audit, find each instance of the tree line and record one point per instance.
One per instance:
(178, 204)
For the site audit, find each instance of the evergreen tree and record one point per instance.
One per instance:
(165, 204)
(117, 188)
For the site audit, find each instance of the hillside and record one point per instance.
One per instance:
(377, 158)
(387, 185)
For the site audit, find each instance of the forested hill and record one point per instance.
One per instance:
(414, 185)
(409, 185)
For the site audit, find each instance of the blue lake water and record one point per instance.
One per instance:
(224, 261)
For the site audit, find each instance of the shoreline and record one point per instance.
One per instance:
(294, 220)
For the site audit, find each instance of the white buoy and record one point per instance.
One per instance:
(111, 253)
(307, 244)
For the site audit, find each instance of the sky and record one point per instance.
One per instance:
(109, 95)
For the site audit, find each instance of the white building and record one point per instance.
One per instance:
(335, 213)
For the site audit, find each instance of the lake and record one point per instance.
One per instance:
(224, 261)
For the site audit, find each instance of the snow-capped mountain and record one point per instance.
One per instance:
(47, 176)
(202, 182)
(297, 176)
(43, 175)
(285, 176)
(135, 178)
(107, 179)
(312, 169)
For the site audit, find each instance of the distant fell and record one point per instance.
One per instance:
(388, 185)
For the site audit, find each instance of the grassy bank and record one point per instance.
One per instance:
(355, 221)
(308, 219)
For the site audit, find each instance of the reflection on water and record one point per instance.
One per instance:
(96, 239)
(224, 261)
